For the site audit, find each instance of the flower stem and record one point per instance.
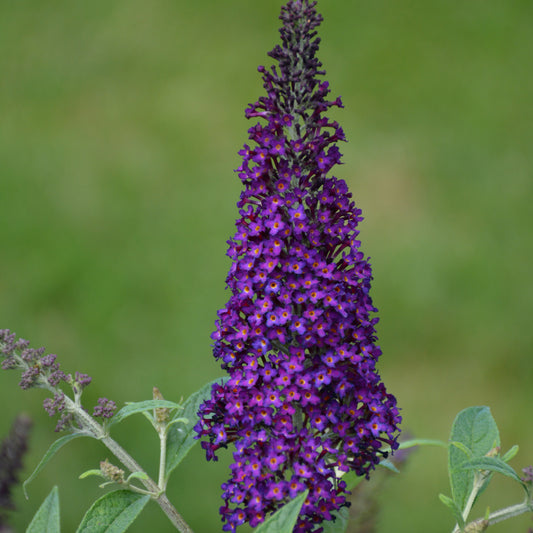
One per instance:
(510, 512)
(501, 514)
(162, 482)
(157, 491)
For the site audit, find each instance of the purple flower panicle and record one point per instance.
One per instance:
(303, 403)
(42, 371)
(38, 370)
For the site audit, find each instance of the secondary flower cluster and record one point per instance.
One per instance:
(42, 371)
(303, 403)
(12, 450)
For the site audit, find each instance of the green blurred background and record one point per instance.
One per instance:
(120, 124)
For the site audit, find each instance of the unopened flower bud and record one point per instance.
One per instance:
(528, 474)
(111, 472)
(105, 408)
(161, 413)
(493, 452)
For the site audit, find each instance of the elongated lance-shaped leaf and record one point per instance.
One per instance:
(113, 513)
(92, 472)
(494, 464)
(284, 520)
(476, 431)
(446, 500)
(389, 465)
(46, 519)
(507, 456)
(181, 437)
(54, 448)
(140, 407)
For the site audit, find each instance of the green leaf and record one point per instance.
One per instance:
(138, 475)
(476, 433)
(411, 443)
(284, 520)
(494, 464)
(46, 519)
(454, 508)
(510, 453)
(54, 448)
(181, 438)
(462, 447)
(340, 524)
(140, 407)
(92, 472)
(352, 480)
(180, 420)
(114, 512)
(389, 465)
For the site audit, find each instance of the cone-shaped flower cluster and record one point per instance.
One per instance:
(303, 402)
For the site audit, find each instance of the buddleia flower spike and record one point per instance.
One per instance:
(303, 402)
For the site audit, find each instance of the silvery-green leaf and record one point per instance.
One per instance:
(284, 520)
(181, 437)
(46, 519)
(54, 448)
(476, 433)
(140, 407)
(113, 513)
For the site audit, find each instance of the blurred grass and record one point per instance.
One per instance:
(120, 126)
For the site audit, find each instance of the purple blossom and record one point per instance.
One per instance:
(303, 400)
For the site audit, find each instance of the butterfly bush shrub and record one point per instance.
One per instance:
(302, 405)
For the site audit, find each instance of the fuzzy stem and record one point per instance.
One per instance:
(162, 481)
(157, 492)
(510, 512)
(479, 480)
(502, 514)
